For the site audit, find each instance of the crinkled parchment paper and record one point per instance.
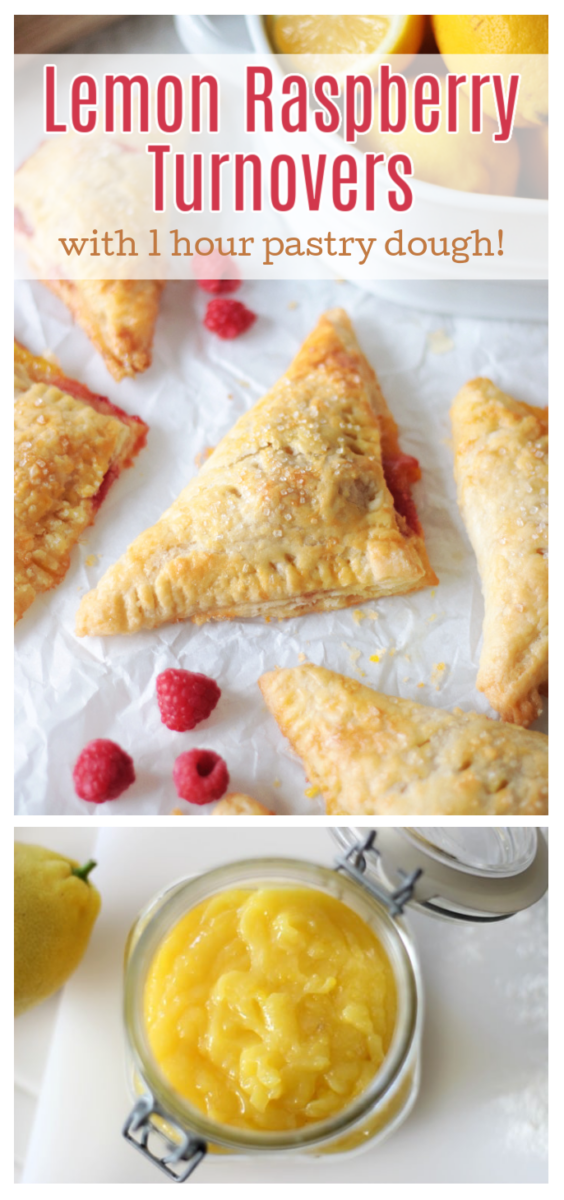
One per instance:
(424, 647)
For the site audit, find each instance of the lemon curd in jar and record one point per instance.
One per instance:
(270, 1008)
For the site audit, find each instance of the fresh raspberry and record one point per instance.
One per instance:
(219, 287)
(200, 776)
(102, 771)
(216, 273)
(185, 698)
(228, 318)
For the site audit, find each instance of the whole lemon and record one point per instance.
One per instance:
(468, 162)
(519, 36)
(491, 34)
(55, 907)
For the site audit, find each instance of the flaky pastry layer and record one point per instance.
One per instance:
(74, 183)
(68, 450)
(501, 471)
(119, 317)
(371, 754)
(290, 514)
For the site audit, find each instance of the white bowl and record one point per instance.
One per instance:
(444, 212)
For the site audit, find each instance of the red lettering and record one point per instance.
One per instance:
(387, 82)
(505, 108)
(159, 150)
(163, 85)
(253, 98)
(50, 76)
(78, 101)
(372, 161)
(453, 83)
(182, 204)
(213, 103)
(240, 162)
(331, 110)
(352, 127)
(279, 161)
(344, 174)
(314, 192)
(478, 82)
(396, 161)
(217, 161)
(298, 101)
(126, 83)
(421, 102)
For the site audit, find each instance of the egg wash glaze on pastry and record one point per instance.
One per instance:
(98, 180)
(305, 506)
(70, 445)
(369, 753)
(501, 471)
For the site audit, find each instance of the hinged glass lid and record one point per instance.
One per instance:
(484, 851)
(469, 874)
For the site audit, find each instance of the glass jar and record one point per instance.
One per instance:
(376, 875)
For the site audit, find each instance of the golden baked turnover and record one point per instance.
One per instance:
(91, 183)
(70, 445)
(501, 471)
(374, 754)
(305, 506)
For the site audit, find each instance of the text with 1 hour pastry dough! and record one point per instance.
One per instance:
(305, 506)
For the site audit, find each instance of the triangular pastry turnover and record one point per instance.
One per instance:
(371, 754)
(75, 183)
(70, 445)
(118, 315)
(292, 513)
(501, 471)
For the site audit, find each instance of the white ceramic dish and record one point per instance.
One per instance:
(443, 211)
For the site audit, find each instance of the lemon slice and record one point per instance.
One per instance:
(366, 38)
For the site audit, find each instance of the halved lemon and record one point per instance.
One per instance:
(373, 37)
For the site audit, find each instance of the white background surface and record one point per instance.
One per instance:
(71, 690)
(481, 1113)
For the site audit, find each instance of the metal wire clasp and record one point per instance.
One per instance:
(354, 863)
(186, 1154)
